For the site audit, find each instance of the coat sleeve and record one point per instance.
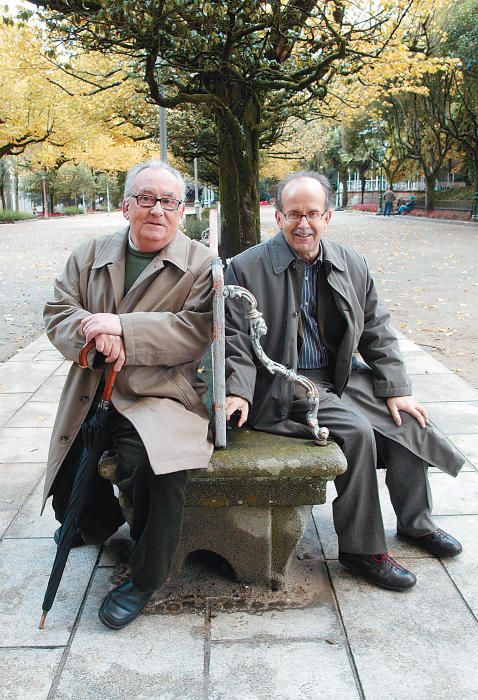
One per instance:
(378, 346)
(240, 366)
(169, 339)
(63, 315)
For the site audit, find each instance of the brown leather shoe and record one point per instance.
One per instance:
(379, 569)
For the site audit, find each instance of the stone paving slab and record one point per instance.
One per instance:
(27, 674)
(50, 390)
(6, 517)
(17, 481)
(9, 405)
(29, 523)
(285, 670)
(156, 657)
(25, 566)
(421, 363)
(316, 622)
(417, 644)
(463, 570)
(24, 444)
(23, 377)
(455, 496)
(33, 414)
(442, 387)
(64, 368)
(468, 446)
(455, 417)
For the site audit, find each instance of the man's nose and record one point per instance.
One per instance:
(158, 209)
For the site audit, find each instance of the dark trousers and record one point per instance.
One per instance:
(157, 503)
(356, 510)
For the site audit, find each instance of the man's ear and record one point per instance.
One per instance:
(125, 208)
(327, 216)
(277, 214)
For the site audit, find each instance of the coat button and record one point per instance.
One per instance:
(295, 314)
(84, 397)
(64, 439)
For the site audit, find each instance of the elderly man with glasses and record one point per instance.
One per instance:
(320, 306)
(144, 297)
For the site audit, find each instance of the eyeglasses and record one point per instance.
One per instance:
(148, 201)
(310, 216)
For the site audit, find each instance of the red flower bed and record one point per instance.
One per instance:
(370, 206)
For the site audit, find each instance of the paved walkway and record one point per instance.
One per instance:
(356, 641)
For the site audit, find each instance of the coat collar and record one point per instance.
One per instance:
(176, 252)
(282, 256)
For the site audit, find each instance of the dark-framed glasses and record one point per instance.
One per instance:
(148, 201)
(310, 216)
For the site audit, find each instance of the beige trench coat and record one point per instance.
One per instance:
(167, 327)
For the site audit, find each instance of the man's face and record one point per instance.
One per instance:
(152, 229)
(303, 195)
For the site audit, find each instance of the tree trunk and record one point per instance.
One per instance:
(2, 196)
(238, 165)
(429, 191)
(345, 184)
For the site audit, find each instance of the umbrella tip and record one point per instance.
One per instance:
(42, 621)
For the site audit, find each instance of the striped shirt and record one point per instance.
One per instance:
(313, 353)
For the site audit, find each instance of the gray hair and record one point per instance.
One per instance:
(156, 165)
(322, 179)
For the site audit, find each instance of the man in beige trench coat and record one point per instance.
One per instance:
(144, 295)
(320, 305)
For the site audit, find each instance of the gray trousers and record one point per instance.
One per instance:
(364, 430)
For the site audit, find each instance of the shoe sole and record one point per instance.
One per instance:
(414, 541)
(374, 582)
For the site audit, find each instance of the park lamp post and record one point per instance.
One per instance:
(381, 155)
(474, 215)
(197, 203)
(45, 200)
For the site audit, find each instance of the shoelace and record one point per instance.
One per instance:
(381, 558)
(440, 533)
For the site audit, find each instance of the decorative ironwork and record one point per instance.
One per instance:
(258, 328)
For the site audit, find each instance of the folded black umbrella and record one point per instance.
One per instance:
(95, 440)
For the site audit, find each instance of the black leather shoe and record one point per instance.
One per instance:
(379, 569)
(77, 540)
(122, 605)
(438, 542)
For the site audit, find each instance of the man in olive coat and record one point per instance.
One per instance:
(144, 296)
(320, 306)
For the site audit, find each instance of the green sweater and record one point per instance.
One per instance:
(135, 263)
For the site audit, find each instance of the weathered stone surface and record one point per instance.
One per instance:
(420, 644)
(250, 452)
(282, 670)
(9, 405)
(154, 657)
(18, 480)
(27, 674)
(257, 542)
(25, 566)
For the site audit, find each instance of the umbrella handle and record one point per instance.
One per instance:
(110, 377)
(82, 359)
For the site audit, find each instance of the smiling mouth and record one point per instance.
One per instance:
(302, 235)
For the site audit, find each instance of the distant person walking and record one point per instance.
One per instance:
(389, 198)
